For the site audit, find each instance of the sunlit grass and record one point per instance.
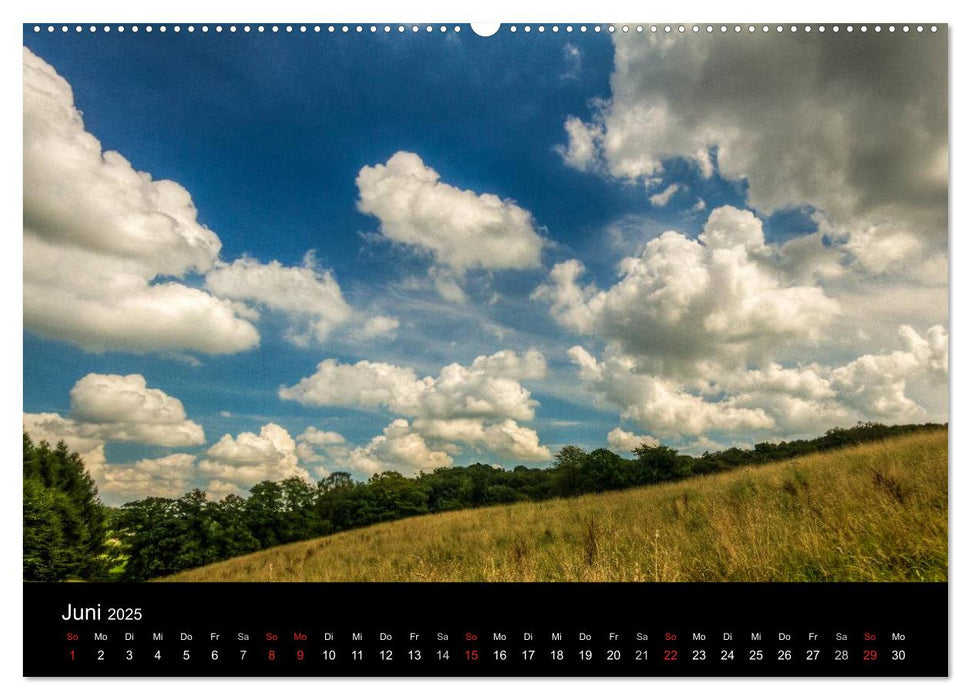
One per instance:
(877, 512)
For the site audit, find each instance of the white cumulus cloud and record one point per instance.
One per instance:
(312, 439)
(773, 400)
(398, 448)
(320, 437)
(724, 297)
(474, 406)
(855, 129)
(620, 439)
(364, 384)
(663, 406)
(308, 295)
(124, 409)
(488, 388)
(582, 146)
(98, 234)
(459, 229)
(876, 385)
(116, 408)
(248, 458)
(506, 438)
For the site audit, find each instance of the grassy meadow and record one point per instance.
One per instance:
(874, 512)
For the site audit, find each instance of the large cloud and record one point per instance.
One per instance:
(505, 438)
(124, 409)
(98, 234)
(488, 388)
(733, 335)
(723, 297)
(661, 405)
(460, 229)
(365, 384)
(476, 405)
(853, 126)
(876, 385)
(309, 296)
(398, 448)
(774, 400)
(248, 458)
(115, 408)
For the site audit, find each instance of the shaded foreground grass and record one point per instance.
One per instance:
(875, 512)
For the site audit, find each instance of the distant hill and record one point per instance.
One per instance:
(872, 512)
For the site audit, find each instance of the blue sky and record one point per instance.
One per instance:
(274, 137)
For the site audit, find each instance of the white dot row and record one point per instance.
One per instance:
(246, 28)
(414, 28)
(752, 28)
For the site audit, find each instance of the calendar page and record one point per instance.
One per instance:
(612, 349)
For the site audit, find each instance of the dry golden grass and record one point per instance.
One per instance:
(876, 512)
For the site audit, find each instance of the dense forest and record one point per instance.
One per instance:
(69, 534)
(64, 522)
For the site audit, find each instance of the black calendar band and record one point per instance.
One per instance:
(467, 629)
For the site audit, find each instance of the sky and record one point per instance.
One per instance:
(253, 256)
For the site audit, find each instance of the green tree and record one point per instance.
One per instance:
(197, 530)
(602, 470)
(232, 535)
(567, 471)
(64, 521)
(150, 530)
(661, 463)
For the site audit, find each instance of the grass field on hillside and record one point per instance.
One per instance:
(876, 512)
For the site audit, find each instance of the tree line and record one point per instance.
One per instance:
(68, 533)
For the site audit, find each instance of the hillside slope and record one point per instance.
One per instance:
(875, 512)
